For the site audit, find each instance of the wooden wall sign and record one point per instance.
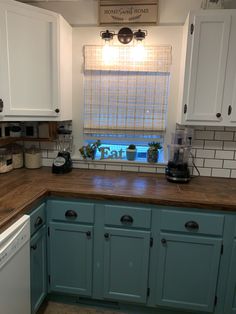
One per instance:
(128, 12)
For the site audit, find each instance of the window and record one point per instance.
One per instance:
(126, 91)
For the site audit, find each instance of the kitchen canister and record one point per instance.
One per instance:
(33, 158)
(5, 160)
(17, 156)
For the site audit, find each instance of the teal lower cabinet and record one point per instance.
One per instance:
(126, 262)
(38, 257)
(70, 258)
(38, 264)
(188, 270)
(230, 304)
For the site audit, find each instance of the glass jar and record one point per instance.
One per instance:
(17, 156)
(5, 160)
(33, 158)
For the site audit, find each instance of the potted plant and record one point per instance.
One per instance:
(88, 152)
(131, 152)
(153, 151)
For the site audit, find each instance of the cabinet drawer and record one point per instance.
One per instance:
(71, 211)
(37, 218)
(191, 222)
(127, 216)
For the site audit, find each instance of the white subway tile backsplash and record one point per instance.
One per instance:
(213, 145)
(52, 153)
(48, 145)
(198, 143)
(229, 164)
(199, 162)
(205, 153)
(97, 166)
(229, 145)
(205, 172)
(224, 173)
(230, 128)
(82, 165)
(224, 154)
(204, 135)
(47, 162)
(130, 168)
(147, 169)
(215, 128)
(224, 136)
(233, 174)
(113, 167)
(213, 163)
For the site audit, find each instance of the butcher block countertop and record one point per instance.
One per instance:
(22, 189)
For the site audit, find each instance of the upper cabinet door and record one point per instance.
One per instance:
(29, 61)
(207, 66)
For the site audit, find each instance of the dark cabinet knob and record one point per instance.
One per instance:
(38, 222)
(57, 110)
(88, 234)
(70, 214)
(229, 110)
(1, 105)
(106, 235)
(34, 247)
(163, 241)
(126, 220)
(192, 226)
(218, 115)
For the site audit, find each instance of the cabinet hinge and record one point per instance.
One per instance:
(222, 249)
(185, 108)
(216, 299)
(49, 279)
(148, 292)
(191, 29)
(151, 242)
(48, 231)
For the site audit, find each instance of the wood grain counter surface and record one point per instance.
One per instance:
(22, 189)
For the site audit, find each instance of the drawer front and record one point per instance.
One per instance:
(125, 216)
(191, 222)
(71, 211)
(37, 218)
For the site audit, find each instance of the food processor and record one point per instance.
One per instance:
(177, 169)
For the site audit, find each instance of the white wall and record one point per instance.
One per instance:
(85, 12)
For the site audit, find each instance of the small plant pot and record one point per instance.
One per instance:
(152, 155)
(131, 154)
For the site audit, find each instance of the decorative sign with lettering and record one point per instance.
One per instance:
(132, 12)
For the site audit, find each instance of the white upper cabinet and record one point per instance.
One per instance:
(35, 63)
(208, 69)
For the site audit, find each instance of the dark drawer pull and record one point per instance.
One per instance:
(126, 220)
(106, 235)
(88, 234)
(34, 247)
(163, 241)
(38, 222)
(218, 115)
(192, 226)
(71, 214)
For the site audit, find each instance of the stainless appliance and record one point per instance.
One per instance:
(15, 268)
(179, 150)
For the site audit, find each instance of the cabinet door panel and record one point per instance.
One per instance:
(188, 271)
(29, 61)
(210, 41)
(38, 271)
(126, 258)
(230, 303)
(71, 258)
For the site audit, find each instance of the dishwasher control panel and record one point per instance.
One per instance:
(12, 239)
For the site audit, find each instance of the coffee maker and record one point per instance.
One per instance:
(179, 150)
(63, 162)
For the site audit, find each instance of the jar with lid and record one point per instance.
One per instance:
(17, 155)
(33, 158)
(5, 160)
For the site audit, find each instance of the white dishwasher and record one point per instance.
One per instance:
(15, 268)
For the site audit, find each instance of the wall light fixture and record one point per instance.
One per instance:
(125, 35)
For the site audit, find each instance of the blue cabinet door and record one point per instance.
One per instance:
(230, 302)
(187, 271)
(126, 262)
(38, 269)
(70, 258)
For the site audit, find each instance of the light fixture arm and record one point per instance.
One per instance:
(125, 35)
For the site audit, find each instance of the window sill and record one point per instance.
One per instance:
(119, 165)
